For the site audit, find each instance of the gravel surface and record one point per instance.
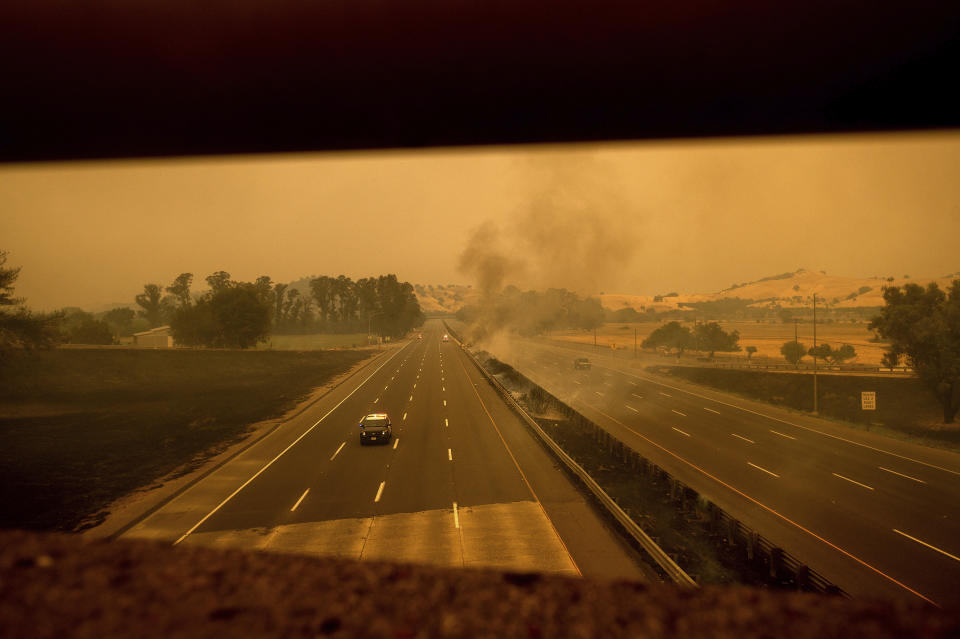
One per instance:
(55, 585)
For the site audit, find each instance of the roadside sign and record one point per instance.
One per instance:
(868, 400)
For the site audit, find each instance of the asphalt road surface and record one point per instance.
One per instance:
(462, 482)
(875, 515)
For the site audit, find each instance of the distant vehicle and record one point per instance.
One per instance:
(375, 427)
(420, 336)
(446, 338)
(581, 362)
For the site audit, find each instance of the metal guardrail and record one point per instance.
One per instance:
(779, 564)
(663, 560)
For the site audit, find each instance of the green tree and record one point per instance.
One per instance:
(218, 281)
(149, 303)
(91, 331)
(750, 351)
(233, 316)
(180, 290)
(711, 337)
(793, 351)
(923, 325)
(120, 320)
(833, 356)
(323, 293)
(279, 292)
(20, 327)
(671, 335)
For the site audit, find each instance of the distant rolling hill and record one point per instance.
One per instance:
(787, 290)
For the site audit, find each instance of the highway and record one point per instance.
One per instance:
(461, 483)
(877, 516)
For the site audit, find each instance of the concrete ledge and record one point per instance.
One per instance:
(68, 586)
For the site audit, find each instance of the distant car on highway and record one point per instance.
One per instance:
(420, 336)
(581, 362)
(446, 337)
(375, 427)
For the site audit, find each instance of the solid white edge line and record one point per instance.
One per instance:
(678, 413)
(456, 516)
(923, 543)
(680, 431)
(902, 475)
(783, 421)
(299, 500)
(743, 438)
(763, 469)
(294, 443)
(379, 491)
(338, 451)
(852, 481)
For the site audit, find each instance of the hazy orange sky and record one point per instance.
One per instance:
(642, 218)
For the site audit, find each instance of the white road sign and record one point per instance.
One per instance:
(868, 400)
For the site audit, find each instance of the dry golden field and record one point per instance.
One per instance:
(767, 337)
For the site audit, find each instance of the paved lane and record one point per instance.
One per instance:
(447, 489)
(877, 516)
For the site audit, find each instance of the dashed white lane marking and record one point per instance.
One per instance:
(456, 517)
(680, 431)
(678, 413)
(386, 387)
(606, 383)
(379, 491)
(781, 434)
(396, 442)
(443, 388)
(902, 475)
(414, 384)
(299, 500)
(446, 422)
(923, 543)
(444, 402)
(665, 394)
(637, 396)
(449, 454)
(410, 399)
(576, 382)
(404, 417)
(853, 481)
(711, 410)
(338, 450)
(631, 408)
(763, 469)
(598, 393)
(743, 438)
(376, 400)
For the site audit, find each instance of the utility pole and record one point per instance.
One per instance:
(634, 342)
(815, 407)
(594, 339)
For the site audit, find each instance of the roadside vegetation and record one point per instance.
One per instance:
(81, 428)
(904, 409)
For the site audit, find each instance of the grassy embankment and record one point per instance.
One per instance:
(905, 408)
(81, 428)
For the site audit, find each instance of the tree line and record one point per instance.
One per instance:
(235, 314)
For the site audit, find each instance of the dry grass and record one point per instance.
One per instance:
(767, 337)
